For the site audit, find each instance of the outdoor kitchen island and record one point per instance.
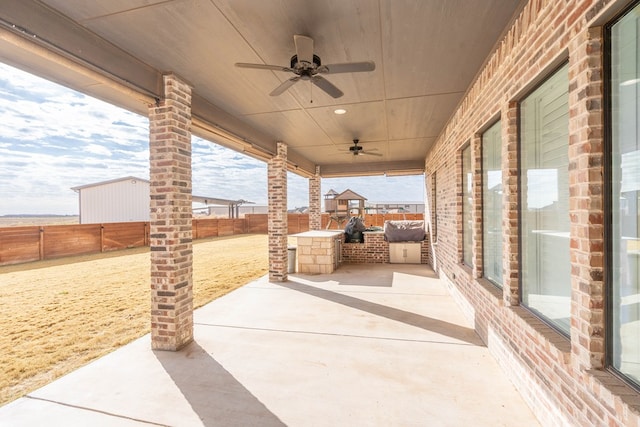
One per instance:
(319, 251)
(376, 249)
(322, 251)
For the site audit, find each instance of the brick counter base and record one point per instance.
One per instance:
(375, 250)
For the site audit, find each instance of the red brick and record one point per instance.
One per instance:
(542, 35)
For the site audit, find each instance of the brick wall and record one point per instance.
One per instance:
(563, 380)
(425, 251)
(375, 250)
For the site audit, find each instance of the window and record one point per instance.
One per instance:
(467, 207)
(624, 197)
(492, 204)
(544, 201)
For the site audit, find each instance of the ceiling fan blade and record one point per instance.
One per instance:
(326, 86)
(348, 67)
(369, 153)
(284, 86)
(304, 48)
(263, 67)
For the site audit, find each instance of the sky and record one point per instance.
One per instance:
(53, 138)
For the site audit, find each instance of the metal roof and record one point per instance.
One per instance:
(198, 199)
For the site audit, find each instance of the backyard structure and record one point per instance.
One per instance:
(118, 200)
(126, 199)
(545, 273)
(342, 206)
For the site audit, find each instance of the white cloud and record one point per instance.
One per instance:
(98, 149)
(54, 139)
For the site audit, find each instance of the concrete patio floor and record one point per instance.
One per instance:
(369, 345)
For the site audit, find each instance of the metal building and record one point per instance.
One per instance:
(127, 200)
(117, 200)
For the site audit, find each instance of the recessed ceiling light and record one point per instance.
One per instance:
(340, 111)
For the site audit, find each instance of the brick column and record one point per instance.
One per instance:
(510, 231)
(315, 209)
(586, 203)
(170, 223)
(278, 223)
(476, 167)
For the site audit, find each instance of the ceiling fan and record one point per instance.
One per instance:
(307, 66)
(357, 150)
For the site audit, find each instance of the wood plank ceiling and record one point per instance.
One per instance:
(426, 52)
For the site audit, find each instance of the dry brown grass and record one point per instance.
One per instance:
(57, 315)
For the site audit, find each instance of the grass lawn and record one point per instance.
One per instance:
(57, 315)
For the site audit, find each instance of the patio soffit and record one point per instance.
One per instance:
(426, 53)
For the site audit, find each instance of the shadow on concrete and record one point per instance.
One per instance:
(360, 274)
(427, 323)
(213, 393)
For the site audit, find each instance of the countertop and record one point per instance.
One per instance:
(319, 233)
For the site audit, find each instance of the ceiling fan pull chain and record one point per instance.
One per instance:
(311, 92)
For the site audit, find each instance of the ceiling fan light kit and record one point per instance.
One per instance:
(308, 66)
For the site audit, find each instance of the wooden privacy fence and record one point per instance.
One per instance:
(33, 243)
(218, 227)
(258, 223)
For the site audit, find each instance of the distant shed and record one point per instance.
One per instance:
(127, 200)
(117, 200)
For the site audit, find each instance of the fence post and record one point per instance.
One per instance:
(41, 247)
(101, 237)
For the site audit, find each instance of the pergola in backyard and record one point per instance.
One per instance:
(233, 206)
(173, 61)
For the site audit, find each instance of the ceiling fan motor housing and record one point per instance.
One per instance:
(316, 61)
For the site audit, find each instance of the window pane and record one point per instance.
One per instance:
(492, 203)
(544, 200)
(625, 192)
(467, 207)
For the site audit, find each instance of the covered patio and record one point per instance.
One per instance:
(435, 86)
(180, 63)
(383, 345)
